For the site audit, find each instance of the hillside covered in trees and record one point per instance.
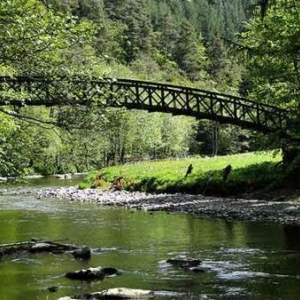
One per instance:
(217, 45)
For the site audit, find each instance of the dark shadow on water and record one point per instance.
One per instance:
(291, 237)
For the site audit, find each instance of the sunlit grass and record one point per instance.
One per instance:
(249, 171)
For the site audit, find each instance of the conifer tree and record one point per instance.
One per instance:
(135, 14)
(91, 9)
(190, 52)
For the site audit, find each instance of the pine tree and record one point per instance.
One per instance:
(190, 52)
(135, 15)
(91, 9)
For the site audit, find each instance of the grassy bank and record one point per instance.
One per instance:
(250, 172)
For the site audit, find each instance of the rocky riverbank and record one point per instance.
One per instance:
(278, 210)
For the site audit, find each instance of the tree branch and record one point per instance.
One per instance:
(31, 120)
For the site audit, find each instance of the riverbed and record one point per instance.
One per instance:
(240, 260)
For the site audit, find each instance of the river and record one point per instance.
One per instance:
(240, 260)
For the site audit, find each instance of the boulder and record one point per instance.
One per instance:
(123, 293)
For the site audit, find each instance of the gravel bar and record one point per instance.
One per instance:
(252, 210)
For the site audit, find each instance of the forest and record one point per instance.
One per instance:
(248, 48)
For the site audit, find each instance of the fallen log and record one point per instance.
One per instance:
(117, 293)
(35, 246)
(7, 249)
(17, 244)
(49, 246)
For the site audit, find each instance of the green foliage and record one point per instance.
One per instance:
(273, 60)
(114, 32)
(135, 15)
(91, 9)
(213, 139)
(190, 53)
(89, 180)
(36, 40)
(7, 131)
(272, 75)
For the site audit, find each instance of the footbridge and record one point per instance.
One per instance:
(145, 95)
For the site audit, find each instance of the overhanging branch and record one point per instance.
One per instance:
(28, 119)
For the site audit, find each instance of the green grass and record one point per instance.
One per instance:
(250, 171)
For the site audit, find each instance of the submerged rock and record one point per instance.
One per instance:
(88, 274)
(197, 269)
(185, 263)
(93, 273)
(123, 293)
(53, 289)
(108, 271)
(83, 253)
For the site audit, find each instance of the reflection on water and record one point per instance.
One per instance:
(240, 260)
(50, 181)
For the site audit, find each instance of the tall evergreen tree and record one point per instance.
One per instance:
(190, 52)
(135, 15)
(91, 9)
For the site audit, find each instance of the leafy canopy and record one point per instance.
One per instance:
(37, 40)
(273, 45)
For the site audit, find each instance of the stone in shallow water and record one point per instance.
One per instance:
(93, 273)
(109, 271)
(185, 263)
(83, 253)
(52, 289)
(123, 293)
(86, 274)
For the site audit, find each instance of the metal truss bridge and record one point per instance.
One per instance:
(145, 95)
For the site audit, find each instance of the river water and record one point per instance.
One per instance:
(240, 260)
